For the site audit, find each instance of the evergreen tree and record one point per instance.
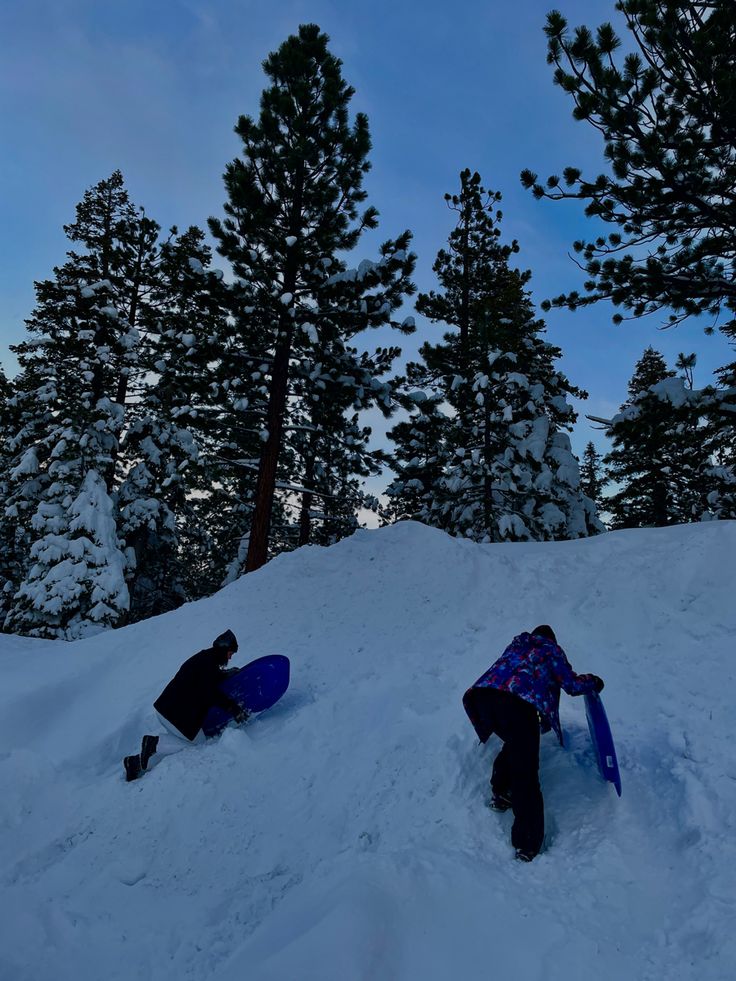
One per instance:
(76, 584)
(419, 452)
(719, 405)
(292, 212)
(72, 388)
(665, 111)
(507, 470)
(592, 479)
(177, 411)
(659, 455)
(9, 551)
(118, 362)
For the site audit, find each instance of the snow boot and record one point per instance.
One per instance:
(525, 856)
(133, 768)
(500, 802)
(148, 748)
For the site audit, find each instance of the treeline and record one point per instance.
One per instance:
(172, 428)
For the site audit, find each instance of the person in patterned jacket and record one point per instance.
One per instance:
(516, 697)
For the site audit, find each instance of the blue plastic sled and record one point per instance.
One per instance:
(256, 687)
(600, 733)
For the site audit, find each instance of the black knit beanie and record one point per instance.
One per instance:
(227, 641)
(544, 630)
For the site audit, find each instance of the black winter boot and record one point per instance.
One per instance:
(133, 768)
(149, 745)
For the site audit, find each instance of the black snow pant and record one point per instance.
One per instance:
(516, 768)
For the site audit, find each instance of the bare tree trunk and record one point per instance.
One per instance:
(266, 484)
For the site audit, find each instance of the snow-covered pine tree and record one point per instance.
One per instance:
(76, 584)
(87, 374)
(74, 374)
(662, 101)
(83, 350)
(508, 473)
(333, 454)
(592, 478)
(176, 411)
(660, 452)
(6, 390)
(292, 213)
(10, 562)
(419, 449)
(719, 405)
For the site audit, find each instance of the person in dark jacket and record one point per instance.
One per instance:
(518, 695)
(183, 704)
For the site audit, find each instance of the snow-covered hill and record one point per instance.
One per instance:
(345, 834)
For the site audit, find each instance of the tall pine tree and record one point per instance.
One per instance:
(659, 456)
(117, 362)
(508, 472)
(9, 550)
(592, 478)
(292, 213)
(665, 111)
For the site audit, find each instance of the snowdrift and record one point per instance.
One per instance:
(345, 834)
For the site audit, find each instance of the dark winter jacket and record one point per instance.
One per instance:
(193, 690)
(533, 668)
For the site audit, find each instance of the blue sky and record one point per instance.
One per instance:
(154, 88)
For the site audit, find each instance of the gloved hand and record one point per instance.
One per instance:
(599, 684)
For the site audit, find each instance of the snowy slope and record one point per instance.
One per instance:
(345, 834)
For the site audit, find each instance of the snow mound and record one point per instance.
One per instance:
(344, 834)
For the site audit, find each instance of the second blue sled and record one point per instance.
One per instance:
(600, 734)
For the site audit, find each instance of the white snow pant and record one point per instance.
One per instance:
(173, 741)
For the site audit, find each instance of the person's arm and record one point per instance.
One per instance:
(224, 701)
(569, 681)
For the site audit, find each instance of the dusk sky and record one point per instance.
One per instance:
(154, 88)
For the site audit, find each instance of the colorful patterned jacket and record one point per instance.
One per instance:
(535, 669)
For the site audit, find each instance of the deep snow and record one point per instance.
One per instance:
(345, 833)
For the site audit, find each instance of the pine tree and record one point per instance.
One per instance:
(75, 368)
(110, 369)
(292, 212)
(659, 455)
(76, 585)
(592, 479)
(419, 454)
(176, 413)
(665, 113)
(719, 435)
(10, 561)
(507, 470)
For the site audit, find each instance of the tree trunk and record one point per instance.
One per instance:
(266, 484)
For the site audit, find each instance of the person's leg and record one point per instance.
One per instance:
(154, 748)
(501, 775)
(527, 833)
(496, 706)
(170, 742)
